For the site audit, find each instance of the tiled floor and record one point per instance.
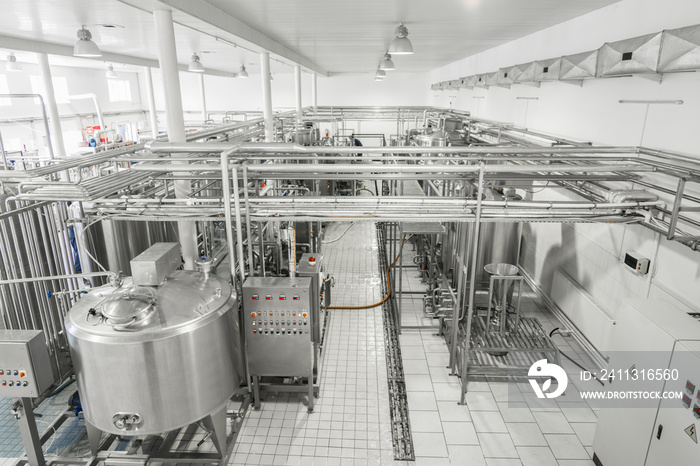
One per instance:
(500, 425)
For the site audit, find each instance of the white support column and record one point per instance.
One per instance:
(297, 91)
(59, 148)
(167, 57)
(314, 92)
(151, 102)
(203, 96)
(267, 96)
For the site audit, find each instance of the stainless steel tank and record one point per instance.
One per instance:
(499, 243)
(153, 359)
(115, 242)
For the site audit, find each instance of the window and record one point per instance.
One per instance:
(4, 90)
(119, 90)
(60, 88)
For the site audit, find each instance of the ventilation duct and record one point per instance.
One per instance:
(492, 79)
(481, 81)
(524, 73)
(468, 82)
(547, 70)
(680, 50)
(505, 77)
(455, 83)
(434, 87)
(631, 56)
(579, 66)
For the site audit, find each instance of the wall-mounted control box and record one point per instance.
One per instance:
(25, 366)
(636, 262)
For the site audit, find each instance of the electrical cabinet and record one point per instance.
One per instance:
(652, 334)
(278, 325)
(25, 366)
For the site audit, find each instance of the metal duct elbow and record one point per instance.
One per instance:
(630, 195)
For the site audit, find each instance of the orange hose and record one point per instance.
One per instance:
(388, 281)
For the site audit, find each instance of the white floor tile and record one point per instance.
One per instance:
(452, 411)
(552, 423)
(497, 446)
(566, 447)
(466, 455)
(536, 456)
(488, 421)
(432, 445)
(459, 433)
(526, 434)
(425, 421)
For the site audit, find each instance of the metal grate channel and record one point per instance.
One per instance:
(398, 402)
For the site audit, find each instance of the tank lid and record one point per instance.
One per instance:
(185, 298)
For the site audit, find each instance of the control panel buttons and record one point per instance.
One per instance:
(282, 297)
(268, 297)
(4, 382)
(295, 298)
(252, 314)
(2, 372)
(25, 383)
(690, 387)
(11, 383)
(255, 297)
(686, 401)
(303, 314)
(16, 372)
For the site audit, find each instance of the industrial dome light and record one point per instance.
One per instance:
(387, 64)
(12, 64)
(401, 45)
(195, 65)
(85, 47)
(380, 75)
(111, 74)
(242, 73)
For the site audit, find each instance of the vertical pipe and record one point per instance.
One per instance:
(472, 285)
(267, 96)
(56, 139)
(203, 96)
(167, 57)
(151, 102)
(297, 91)
(239, 223)
(314, 92)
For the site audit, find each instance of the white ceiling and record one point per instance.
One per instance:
(324, 35)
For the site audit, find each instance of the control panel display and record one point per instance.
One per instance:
(25, 367)
(278, 325)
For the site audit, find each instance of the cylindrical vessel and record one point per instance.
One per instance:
(153, 359)
(115, 242)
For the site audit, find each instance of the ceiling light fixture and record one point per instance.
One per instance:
(12, 64)
(401, 45)
(243, 73)
(85, 47)
(387, 64)
(195, 65)
(111, 74)
(380, 75)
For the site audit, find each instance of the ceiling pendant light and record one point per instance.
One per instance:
(380, 75)
(85, 47)
(242, 73)
(401, 45)
(111, 74)
(387, 64)
(11, 64)
(195, 65)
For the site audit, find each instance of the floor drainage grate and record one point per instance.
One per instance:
(398, 402)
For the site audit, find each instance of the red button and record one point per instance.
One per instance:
(255, 297)
(252, 314)
(268, 297)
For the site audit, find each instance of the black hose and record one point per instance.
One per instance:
(579, 365)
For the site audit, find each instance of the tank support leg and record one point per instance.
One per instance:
(94, 435)
(216, 423)
(24, 412)
(256, 392)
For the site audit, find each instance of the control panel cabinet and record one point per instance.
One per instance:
(25, 366)
(278, 326)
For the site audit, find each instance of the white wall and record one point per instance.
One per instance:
(591, 253)
(79, 81)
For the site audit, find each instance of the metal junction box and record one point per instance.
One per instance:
(25, 366)
(278, 326)
(155, 263)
